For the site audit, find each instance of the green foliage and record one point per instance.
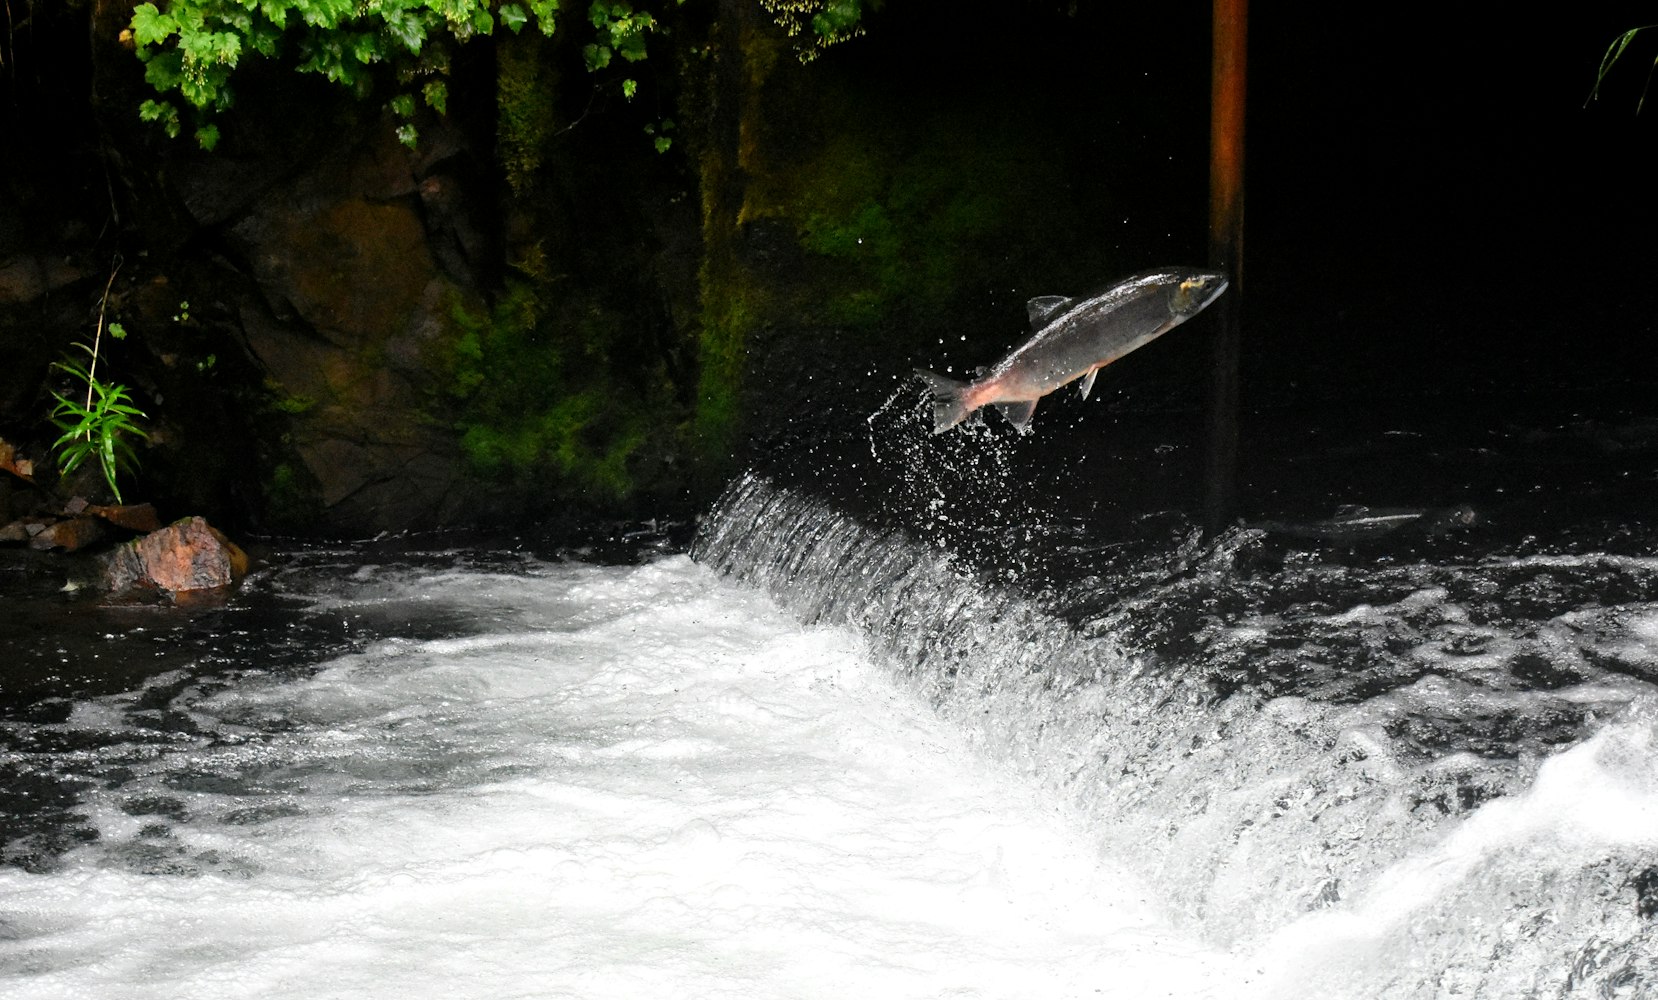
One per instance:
(436, 93)
(192, 48)
(1613, 53)
(814, 25)
(101, 423)
(659, 133)
(102, 426)
(535, 402)
(513, 17)
(619, 31)
(163, 114)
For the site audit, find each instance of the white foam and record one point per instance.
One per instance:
(638, 783)
(1586, 803)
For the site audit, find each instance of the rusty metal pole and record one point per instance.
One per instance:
(1226, 216)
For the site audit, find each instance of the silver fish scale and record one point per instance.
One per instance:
(1095, 331)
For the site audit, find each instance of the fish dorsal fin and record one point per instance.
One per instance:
(1088, 382)
(1018, 413)
(1043, 308)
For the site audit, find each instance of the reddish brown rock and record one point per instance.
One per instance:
(14, 463)
(139, 517)
(188, 557)
(71, 535)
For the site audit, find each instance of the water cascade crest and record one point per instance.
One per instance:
(1408, 778)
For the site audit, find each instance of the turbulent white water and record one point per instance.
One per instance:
(630, 782)
(1400, 779)
(828, 761)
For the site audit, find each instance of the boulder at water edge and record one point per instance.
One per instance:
(187, 559)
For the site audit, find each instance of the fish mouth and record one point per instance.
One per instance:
(1214, 287)
(1203, 288)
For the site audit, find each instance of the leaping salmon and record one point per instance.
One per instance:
(1074, 339)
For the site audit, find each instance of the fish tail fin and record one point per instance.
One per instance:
(949, 404)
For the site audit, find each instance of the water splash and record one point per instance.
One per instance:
(1271, 744)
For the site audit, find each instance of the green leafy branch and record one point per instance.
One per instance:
(191, 48)
(102, 425)
(620, 31)
(1613, 53)
(814, 25)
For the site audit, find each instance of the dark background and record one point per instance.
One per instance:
(1441, 238)
(1428, 197)
(1448, 283)
(1429, 192)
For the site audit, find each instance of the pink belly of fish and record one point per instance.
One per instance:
(1013, 387)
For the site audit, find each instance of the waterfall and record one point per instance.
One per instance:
(1416, 775)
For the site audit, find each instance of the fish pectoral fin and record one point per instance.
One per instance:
(1018, 413)
(1087, 385)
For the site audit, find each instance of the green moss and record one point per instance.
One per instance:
(293, 499)
(524, 88)
(295, 405)
(723, 324)
(612, 470)
(536, 402)
(899, 218)
(730, 308)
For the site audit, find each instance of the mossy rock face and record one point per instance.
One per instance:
(352, 296)
(546, 409)
(869, 231)
(894, 223)
(526, 110)
(353, 270)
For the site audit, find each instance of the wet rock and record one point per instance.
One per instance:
(1646, 893)
(355, 305)
(24, 279)
(70, 535)
(12, 462)
(187, 558)
(140, 517)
